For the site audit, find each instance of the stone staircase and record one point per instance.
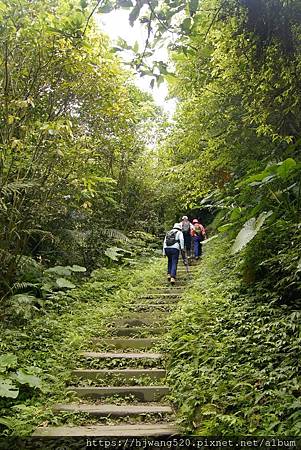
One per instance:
(124, 382)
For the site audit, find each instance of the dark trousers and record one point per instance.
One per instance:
(187, 242)
(197, 247)
(173, 257)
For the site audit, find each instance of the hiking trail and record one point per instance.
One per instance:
(125, 381)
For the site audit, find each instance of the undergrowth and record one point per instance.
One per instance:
(52, 341)
(234, 354)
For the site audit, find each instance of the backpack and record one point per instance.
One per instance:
(186, 227)
(198, 231)
(170, 238)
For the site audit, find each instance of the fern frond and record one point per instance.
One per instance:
(114, 234)
(39, 231)
(80, 236)
(15, 187)
(21, 285)
(76, 235)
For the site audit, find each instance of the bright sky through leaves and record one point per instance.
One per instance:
(116, 24)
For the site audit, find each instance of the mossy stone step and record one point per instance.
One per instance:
(142, 393)
(181, 281)
(168, 288)
(136, 331)
(162, 295)
(111, 355)
(157, 299)
(125, 430)
(151, 306)
(173, 290)
(113, 410)
(139, 320)
(130, 343)
(123, 373)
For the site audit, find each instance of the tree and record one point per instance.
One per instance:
(69, 133)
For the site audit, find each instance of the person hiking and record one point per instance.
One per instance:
(186, 230)
(172, 246)
(198, 235)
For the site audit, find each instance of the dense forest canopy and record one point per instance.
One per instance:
(75, 133)
(79, 161)
(235, 143)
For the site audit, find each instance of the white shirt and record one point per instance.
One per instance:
(179, 245)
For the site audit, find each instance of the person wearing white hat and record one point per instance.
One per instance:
(173, 244)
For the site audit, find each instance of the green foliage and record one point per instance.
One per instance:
(115, 253)
(233, 366)
(53, 342)
(22, 306)
(274, 241)
(48, 285)
(234, 145)
(73, 127)
(11, 379)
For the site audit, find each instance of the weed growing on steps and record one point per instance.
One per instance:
(52, 341)
(233, 365)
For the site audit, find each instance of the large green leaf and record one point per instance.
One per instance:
(186, 25)
(249, 231)
(282, 169)
(125, 3)
(114, 253)
(59, 270)
(64, 283)
(76, 268)
(8, 389)
(134, 14)
(285, 167)
(225, 227)
(24, 378)
(7, 361)
(193, 6)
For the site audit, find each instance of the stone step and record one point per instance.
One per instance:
(123, 373)
(113, 410)
(111, 355)
(130, 343)
(169, 288)
(125, 430)
(178, 290)
(136, 331)
(181, 280)
(173, 290)
(158, 299)
(161, 295)
(139, 320)
(152, 306)
(142, 393)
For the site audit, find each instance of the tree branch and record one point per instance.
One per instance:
(90, 16)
